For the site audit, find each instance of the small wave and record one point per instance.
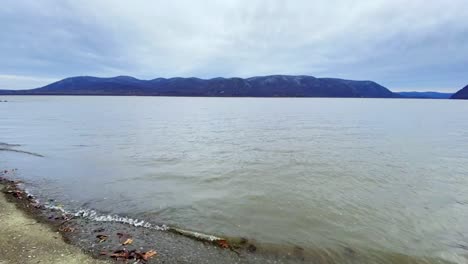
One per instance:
(21, 151)
(93, 215)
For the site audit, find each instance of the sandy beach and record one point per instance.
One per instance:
(25, 240)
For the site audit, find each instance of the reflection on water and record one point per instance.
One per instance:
(365, 179)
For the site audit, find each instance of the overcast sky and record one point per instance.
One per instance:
(401, 44)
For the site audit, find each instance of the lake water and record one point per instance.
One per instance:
(380, 176)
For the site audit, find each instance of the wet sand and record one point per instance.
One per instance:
(25, 240)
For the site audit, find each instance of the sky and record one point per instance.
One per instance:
(402, 44)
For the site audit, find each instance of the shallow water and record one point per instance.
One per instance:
(380, 177)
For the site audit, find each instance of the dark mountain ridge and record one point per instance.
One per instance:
(462, 94)
(262, 86)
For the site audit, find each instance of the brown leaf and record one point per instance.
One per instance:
(102, 238)
(147, 255)
(223, 243)
(125, 239)
(120, 254)
(127, 242)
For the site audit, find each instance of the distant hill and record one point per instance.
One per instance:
(263, 86)
(426, 95)
(462, 94)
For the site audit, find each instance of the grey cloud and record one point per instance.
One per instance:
(402, 44)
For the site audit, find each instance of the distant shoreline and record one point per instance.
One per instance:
(260, 97)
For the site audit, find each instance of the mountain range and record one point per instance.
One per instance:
(462, 94)
(264, 86)
(260, 86)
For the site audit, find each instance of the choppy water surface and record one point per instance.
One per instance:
(378, 177)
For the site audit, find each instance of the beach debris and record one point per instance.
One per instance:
(16, 193)
(99, 230)
(223, 243)
(121, 254)
(67, 229)
(125, 254)
(196, 235)
(251, 248)
(145, 256)
(102, 238)
(127, 242)
(125, 239)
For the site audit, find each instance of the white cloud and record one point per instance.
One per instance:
(391, 42)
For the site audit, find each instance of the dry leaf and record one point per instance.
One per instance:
(127, 242)
(101, 238)
(120, 254)
(223, 243)
(147, 255)
(125, 239)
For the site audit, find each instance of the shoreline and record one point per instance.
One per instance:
(102, 242)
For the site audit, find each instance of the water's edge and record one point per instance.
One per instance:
(174, 244)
